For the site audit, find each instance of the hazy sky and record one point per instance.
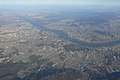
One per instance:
(66, 2)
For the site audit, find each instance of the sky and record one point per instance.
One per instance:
(65, 2)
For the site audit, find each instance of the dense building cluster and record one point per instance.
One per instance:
(33, 47)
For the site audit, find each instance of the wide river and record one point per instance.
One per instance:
(63, 35)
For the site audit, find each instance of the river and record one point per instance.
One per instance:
(63, 35)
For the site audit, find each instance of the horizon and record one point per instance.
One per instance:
(62, 2)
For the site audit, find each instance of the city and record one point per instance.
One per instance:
(50, 44)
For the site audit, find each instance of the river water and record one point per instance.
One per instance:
(63, 35)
